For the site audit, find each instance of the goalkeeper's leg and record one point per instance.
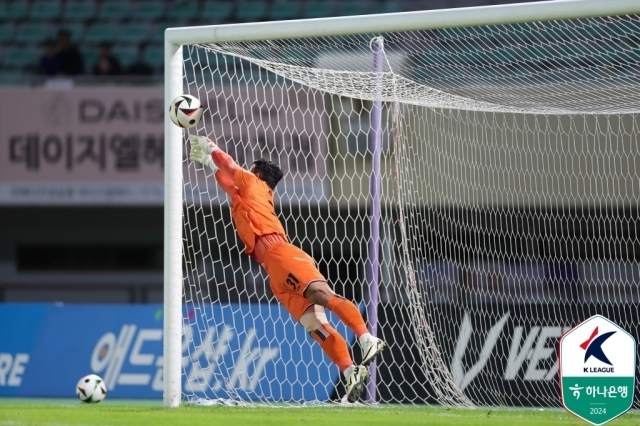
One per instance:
(293, 272)
(319, 293)
(314, 320)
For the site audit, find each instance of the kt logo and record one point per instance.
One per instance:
(593, 346)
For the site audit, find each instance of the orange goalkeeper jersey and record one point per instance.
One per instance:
(252, 209)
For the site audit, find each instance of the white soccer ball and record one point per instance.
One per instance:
(91, 388)
(185, 111)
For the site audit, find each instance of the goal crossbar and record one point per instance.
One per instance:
(402, 21)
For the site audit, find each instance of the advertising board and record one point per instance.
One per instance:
(105, 145)
(229, 350)
(498, 354)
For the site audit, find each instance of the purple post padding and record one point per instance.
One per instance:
(374, 210)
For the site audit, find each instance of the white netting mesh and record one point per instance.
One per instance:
(509, 195)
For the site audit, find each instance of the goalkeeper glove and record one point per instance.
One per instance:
(205, 143)
(201, 149)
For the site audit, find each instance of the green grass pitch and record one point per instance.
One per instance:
(17, 412)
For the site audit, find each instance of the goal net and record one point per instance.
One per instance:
(473, 190)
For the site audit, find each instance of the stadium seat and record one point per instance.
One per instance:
(351, 8)
(45, 10)
(183, 11)
(79, 10)
(148, 10)
(14, 78)
(90, 56)
(318, 9)
(387, 7)
(14, 11)
(21, 58)
(154, 56)
(76, 30)
(215, 12)
(114, 10)
(32, 33)
(250, 11)
(135, 33)
(99, 33)
(7, 30)
(284, 10)
(158, 33)
(126, 55)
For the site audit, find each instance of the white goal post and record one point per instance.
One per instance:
(449, 108)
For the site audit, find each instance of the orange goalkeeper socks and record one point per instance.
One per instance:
(348, 314)
(334, 345)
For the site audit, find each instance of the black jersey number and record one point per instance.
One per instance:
(293, 282)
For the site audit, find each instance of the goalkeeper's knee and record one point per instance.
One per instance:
(313, 319)
(331, 342)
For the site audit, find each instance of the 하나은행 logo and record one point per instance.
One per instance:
(601, 387)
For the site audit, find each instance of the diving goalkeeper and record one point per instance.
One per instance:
(293, 276)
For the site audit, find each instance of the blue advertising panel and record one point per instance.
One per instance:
(231, 350)
(19, 328)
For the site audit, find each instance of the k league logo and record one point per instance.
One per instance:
(597, 370)
(593, 348)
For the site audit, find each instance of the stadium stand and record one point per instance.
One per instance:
(33, 34)
(79, 11)
(149, 10)
(318, 9)
(387, 7)
(126, 55)
(90, 55)
(353, 8)
(45, 10)
(154, 57)
(183, 11)
(7, 30)
(76, 30)
(136, 28)
(21, 59)
(158, 33)
(284, 10)
(135, 33)
(14, 11)
(251, 11)
(215, 12)
(114, 11)
(99, 33)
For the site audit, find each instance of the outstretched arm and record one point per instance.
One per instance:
(226, 183)
(200, 152)
(203, 147)
(225, 162)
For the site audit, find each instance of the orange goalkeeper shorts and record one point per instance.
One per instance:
(290, 270)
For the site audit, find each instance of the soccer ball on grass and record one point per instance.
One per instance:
(91, 388)
(185, 111)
